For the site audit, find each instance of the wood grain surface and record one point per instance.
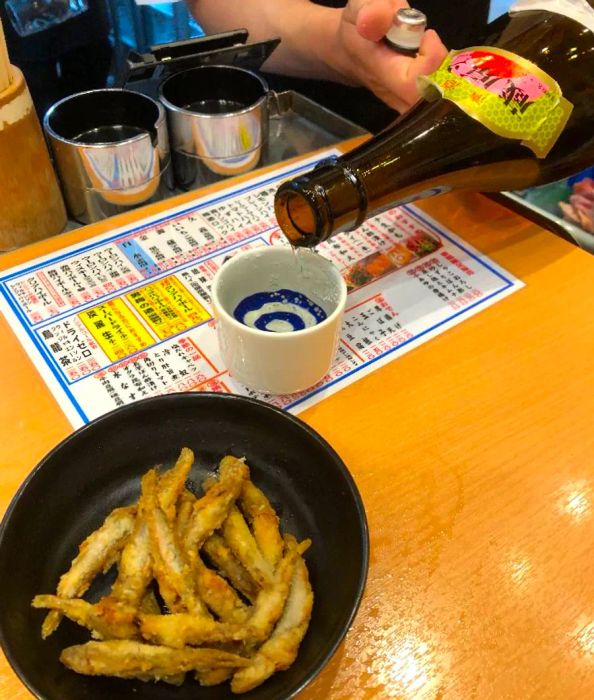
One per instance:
(474, 454)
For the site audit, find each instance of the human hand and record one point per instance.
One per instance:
(363, 59)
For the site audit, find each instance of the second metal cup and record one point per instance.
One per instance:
(218, 122)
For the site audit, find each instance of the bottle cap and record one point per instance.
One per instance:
(407, 30)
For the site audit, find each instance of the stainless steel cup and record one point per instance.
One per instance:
(218, 122)
(111, 150)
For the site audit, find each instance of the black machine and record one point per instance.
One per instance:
(144, 72)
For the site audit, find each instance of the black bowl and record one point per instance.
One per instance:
(98, 467)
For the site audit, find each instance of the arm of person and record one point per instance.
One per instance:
(339, 44)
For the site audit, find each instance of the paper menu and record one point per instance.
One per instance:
(127, 315)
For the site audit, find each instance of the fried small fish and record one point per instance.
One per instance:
(181, 629)
(227, 564)
(171, 568)
(240, 540)
(111, 622)
(218, 595)
(280, 650)
(271, 600)
(210, 511)
(135, 569)
(264, 522)
(185, 506)
(129, 659)
(171, 539)
(93, 554)
(172, 483)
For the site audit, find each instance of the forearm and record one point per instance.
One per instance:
(308, 32)
(336, 44)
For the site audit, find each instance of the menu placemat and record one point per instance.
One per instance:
(126, 315)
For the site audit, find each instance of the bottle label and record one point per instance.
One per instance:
(509, 95)
(578, 10)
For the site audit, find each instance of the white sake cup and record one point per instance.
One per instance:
(278, 363)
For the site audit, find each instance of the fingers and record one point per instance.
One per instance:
(352, 9)
(373, 18)
(390, 75)
(430, 56)
(399, 73)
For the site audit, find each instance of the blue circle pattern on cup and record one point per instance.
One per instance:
(280, 311)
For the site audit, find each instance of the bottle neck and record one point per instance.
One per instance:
(433, 148)
(331, 198)
(340, 193)
(437, 147)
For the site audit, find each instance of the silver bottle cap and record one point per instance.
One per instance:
(407, 30)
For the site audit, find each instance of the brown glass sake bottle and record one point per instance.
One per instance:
(515, 112)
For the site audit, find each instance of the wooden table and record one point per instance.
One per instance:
(474, 454)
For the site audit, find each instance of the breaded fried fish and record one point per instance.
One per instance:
(171, 568)
(211, 510)
(129, 659)
(264, 522)
(172, 483)
(272, 598)
(93, 553)
(242, 543)
(217, 550)
(218, 595)
(111, 622)
(280, 650)
(181, 629)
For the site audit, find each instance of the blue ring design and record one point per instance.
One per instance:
(284, 297)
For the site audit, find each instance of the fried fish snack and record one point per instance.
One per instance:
(210, 511)
(242, 543)
(235, 590)
(172, 483)
(264, 522)
(129, 659)
(182, 629)
(280, 650)
(185, 506)
(172, 570)
(111, 622)
(272, 598)
(93, 554)
(218, 595)
(218, 552)
(135, 568)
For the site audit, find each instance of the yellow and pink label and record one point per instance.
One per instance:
(508, 94)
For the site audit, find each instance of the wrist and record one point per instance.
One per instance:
(311, 44)
(330, 49)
